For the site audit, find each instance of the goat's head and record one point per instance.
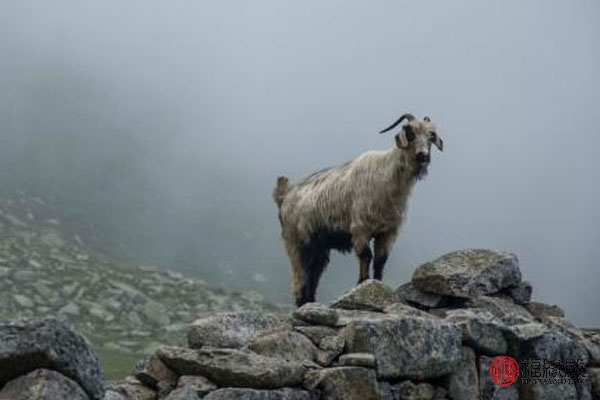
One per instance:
(416, 137)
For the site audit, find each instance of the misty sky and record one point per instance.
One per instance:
(253, 90)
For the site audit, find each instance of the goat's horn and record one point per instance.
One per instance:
(407, 116)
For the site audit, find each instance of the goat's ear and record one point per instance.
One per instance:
(439, 143)
(405, 136)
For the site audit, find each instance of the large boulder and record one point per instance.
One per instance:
(489, 389)
(410, 294)
(284, 344)
(231, 367)
(231, 330)
(344, 383)
(372, 295)
(481, 330)
(468, 273)
(463, 383)
(50, 344)
(406, 347)
(42, 384)
(317, 314)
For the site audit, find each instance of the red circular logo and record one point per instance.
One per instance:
(504, 370)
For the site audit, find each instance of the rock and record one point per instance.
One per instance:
(553, 345)
(200, 384)
(133, 389)
(468, 273)
(183, 393)
(504, 309)
(48, 343)
(42, 384)
(411, 347)
(480, 330)
(542, 310)
(23, 301)
(230, 367)
(521, 293)
(406, 310)
(370, 295)
(409, 391)
(463, 383)
(231, 330)
(284, 344)
(344, 383)
(252, 394)
(489, 389)
(330, 348)
(155, 371)
(385, 391)
(366, 360)
(315, 333)
(541, 391)
(114, 394)
(593, 375)
(163, 389)
(317, 314)
(410, 294)
(590, 342)
(70, 309)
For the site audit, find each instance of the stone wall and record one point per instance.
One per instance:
(432, 338)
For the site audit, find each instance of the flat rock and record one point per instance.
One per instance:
(410, 294)
(284, 344)
(521, 293)
(344, 383)
(541, 310)
(409, 347)
(481, 330)
(132, 388)
(463, 383)
(371, 295)
(154, 371)
(502, 308)
(183, 393)
(231, 367)
(408, 390)
(468, 273)
(316, 333)
(317, 314)
(200, 384)
(42, 384)
(48, 343)
(400, 309)
(231, 330)
(489, 389)
(252, 394)
(366, 360)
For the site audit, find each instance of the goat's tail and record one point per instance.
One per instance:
(280, 190)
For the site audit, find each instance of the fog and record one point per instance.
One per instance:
(167, 123)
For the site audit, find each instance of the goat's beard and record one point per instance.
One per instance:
(421, 171)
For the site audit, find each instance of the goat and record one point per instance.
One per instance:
(345, 207)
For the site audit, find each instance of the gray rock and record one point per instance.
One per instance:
(521, 293)
(588, 341)
(370, 295)
(23, 301)
(230, 367)
(113, 394)
(164, 389)
(317, 314)
(408, 390)
(410, 347)
(553, 345)
(385, 391)
(315, 333)
(200, 384)
(48, 343)
(133, 389)
(463, 383)
(155, 371)
(410, 294)
(468, 273)
(489, 389)
(366, 360)
(593, 376)
(284, 344)
(504, 309)
(542, 391)
(42, 384)
(231, 330)
(480, 330)
(330, 348)
(400, 309)
(541, 310)
(183, 393)
(344, 383)
(70, 309)
(252, 394)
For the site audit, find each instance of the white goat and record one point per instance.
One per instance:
(344, 207)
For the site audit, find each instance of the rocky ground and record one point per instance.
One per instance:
(434, 338)
(124, 310)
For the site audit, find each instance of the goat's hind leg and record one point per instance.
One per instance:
(383, 245)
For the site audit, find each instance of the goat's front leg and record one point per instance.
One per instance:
(383, 245)
(364, 254)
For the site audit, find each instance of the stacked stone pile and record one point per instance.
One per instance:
(432, 338)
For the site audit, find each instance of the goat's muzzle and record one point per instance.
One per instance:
(422, 158)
